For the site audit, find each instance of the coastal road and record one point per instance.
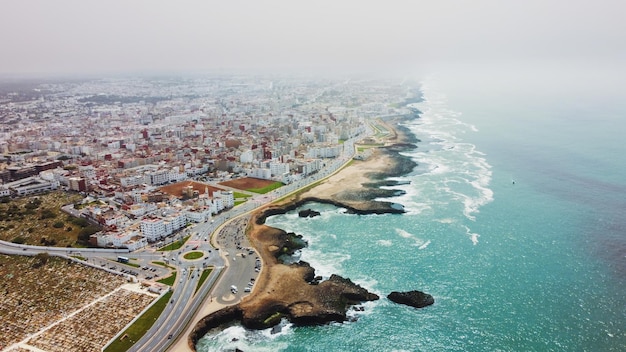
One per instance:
(228, 233)
(237, 268)
(169, 323)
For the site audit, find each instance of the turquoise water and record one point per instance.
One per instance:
(514, 223)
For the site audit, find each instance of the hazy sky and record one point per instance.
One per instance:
(66, 36)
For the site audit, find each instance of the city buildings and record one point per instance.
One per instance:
(120, 140)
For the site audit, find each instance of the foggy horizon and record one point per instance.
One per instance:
(75, 38)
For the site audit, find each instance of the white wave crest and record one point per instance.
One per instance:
(404, 234)
(384, 243)
(472, 236)
(368, 309)
(238, 337)
(418, 242)
(325, 262)
(452, 166)
(424, 245)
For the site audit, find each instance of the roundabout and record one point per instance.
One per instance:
(193, 255)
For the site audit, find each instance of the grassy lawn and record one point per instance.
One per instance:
(205, 274)
(175, 245)
(241, 195)
(237, 202)
(164, 265)
(193, 255)
(266, 189)
(363, 147)
(140, 326)
(170, 280)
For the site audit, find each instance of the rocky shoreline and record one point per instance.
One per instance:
(293, 291)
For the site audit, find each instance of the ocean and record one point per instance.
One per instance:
(515, 224)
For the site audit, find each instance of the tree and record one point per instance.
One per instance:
(42, 259)
(19, 240)
(82, 222)
(83, 235)
(47, 214)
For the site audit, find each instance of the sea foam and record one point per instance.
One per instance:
(384, 243)
(454, 175)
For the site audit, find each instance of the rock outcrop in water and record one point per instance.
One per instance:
(297, 299)
(308, 213)
(417, 299)
(318, 304)
(291, 291)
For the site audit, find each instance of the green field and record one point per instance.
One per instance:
(164, 265)
(170, 280)
(193, 255)
(205, 274)
(241, 195)
(266, 189)
(175, 245)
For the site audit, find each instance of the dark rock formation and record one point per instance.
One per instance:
(308, 213)
(318, 304)
(301, 304)
(212, 321)
(366, 208)
(291, 242)
(415, 299)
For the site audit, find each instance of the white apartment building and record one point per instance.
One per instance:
(131, 240)
(198, 215)
(88, 171)
(278, 169)
(174, 222)
(115, 220)
(153, 229)
(194, 171)
(136, 242)
(118, 238)
(227, 197)
(141, 209)
(159, 177)
(325, 152)
(309, 167)
(136, 197)
(176, 176)
(262, 173)
(136, 180)
(31, 185)
(77, 184)
(217, 205)
(246, 157)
